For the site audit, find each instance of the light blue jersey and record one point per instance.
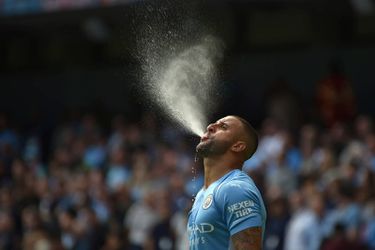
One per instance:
(229, 205)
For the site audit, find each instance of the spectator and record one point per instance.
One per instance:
(346, 211)
(67, 223)
(163, 236)
(370, 145)
(338, 241)
(282, 104)
(140, 219)
(113, 241)
(89, 231)
(309, 150)
(280, 173)
(335, 97)
(8, 237)
(118, 172)
(304, 229)
(277, 219)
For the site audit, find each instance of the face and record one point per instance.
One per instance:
(219, 137)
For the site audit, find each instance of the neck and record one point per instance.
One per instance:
(215, 168)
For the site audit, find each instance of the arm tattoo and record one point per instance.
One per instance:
(248, 239)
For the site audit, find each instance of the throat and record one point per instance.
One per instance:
(213, 172)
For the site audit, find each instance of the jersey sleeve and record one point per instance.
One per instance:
(239, 206)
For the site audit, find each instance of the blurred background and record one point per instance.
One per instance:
(86, 162)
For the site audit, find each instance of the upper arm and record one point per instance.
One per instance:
(240, 207)
(248, 239)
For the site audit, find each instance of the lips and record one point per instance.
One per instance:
(204, 138)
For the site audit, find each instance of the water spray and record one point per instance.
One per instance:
(183, 84)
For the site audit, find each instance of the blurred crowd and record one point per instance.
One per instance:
(126, 187)
(319, 185)
(317, 175)
(131, 186)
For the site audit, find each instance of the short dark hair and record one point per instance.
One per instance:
(251, 137)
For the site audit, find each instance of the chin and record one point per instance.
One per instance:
(202, 145)
(202, 149)
(201, 153)
(198, 148)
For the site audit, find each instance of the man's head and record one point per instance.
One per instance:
(231, 134)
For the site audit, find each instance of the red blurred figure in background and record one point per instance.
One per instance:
(335, 97)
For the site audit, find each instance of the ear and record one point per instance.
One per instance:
(239, 146)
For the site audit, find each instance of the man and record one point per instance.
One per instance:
(305, 230)
(228, 212)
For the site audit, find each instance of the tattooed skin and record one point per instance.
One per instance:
(248, 239)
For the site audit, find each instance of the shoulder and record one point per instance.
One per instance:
(239, 185)
(237, 182)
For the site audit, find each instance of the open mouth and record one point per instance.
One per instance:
(204, 138)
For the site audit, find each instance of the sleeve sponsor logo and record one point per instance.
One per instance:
(241, 209)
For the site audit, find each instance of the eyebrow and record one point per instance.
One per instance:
(222, 122)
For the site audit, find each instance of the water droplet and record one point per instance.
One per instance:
(194, 176)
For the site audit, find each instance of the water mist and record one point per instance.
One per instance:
(183, 83)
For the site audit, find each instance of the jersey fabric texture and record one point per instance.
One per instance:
(229, 205)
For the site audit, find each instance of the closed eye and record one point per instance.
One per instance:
(223, 125)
